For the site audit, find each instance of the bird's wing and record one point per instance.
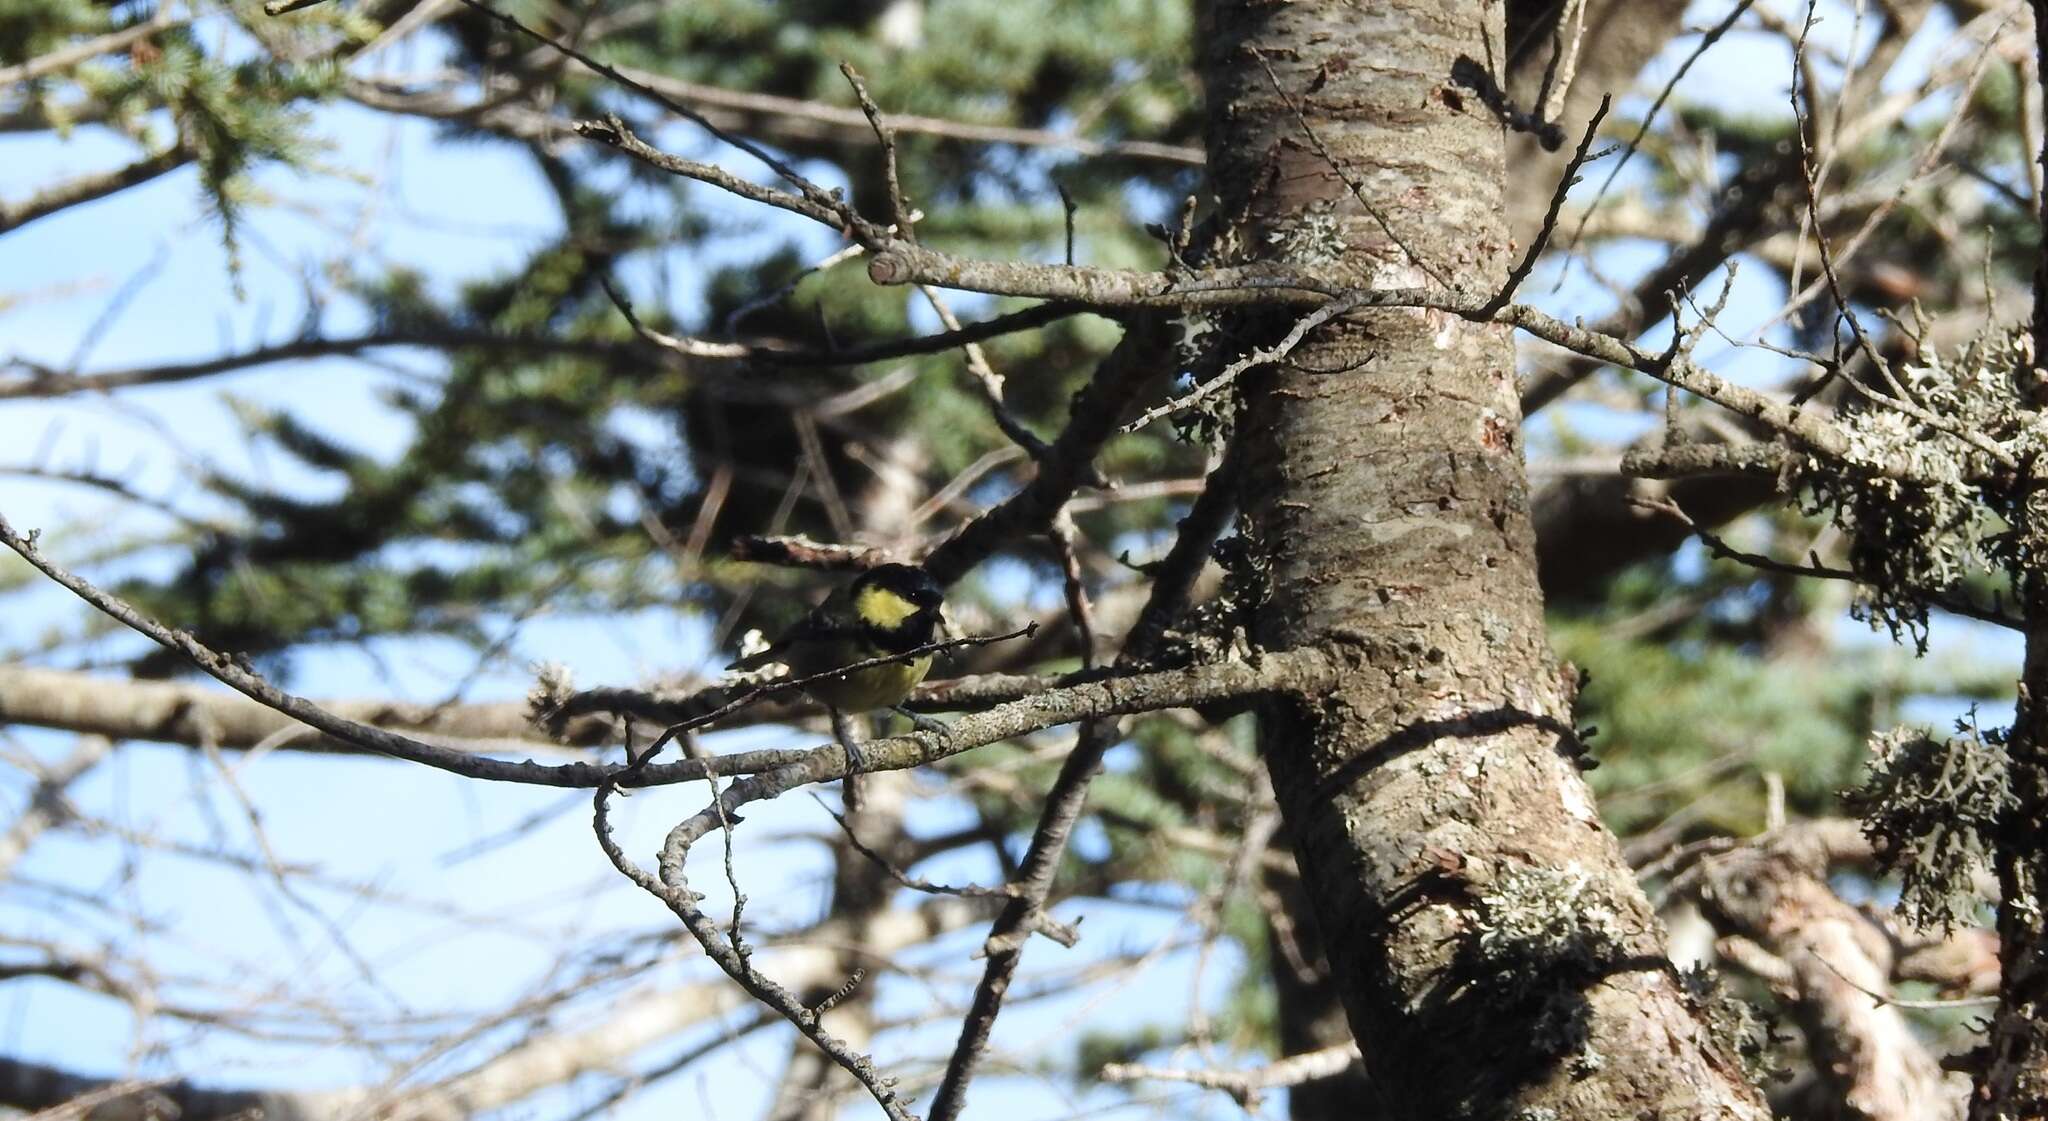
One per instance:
(820, 625)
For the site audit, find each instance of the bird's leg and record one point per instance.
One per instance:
(920, 721)
(842, 730)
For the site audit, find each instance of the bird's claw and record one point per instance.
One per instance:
(921, 722)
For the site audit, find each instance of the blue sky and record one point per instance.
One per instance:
(455, 211)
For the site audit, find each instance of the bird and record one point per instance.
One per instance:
(888, 609)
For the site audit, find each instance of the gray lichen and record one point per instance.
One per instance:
(1533, 920)
(1924, 489)
(1219, 629)
(1586, 1062)
(1954, 427)
(1316, 237)
(1930, 806)
(553, 685)
(1734, 1023)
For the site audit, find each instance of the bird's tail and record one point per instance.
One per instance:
(757, 659)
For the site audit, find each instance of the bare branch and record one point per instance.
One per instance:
(65, 58)
(1835, 958)
(1109, 697)
(1565, 182)
(46, 800)
(40, 382)
(1246, 1086)
(1676, 461)
(802, 552)
(839, 118)
(170, 712)
(87, 188)
(900, 211)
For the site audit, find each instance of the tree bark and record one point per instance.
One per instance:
(1494, 955)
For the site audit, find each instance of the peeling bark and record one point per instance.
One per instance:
(1493, 952)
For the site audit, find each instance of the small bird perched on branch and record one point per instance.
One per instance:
(889, 609)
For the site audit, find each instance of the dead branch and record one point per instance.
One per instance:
(1246, 1086)
(1835, 959)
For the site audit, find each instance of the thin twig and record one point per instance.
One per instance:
(1809, 177)
(1884, 999)
(736, 964)
(64, 58)
(1261, 357)
(1064, 534)
(98, 185)
(914, 883)
(753, 104)
(1712, 36)
(1565, 183)
(899, 207)
(985, 376)
(1563, 66)
(812, 193)
(1722, 549)
(1068, 205)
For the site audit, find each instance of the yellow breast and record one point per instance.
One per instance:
(860, 690)
(876, 687)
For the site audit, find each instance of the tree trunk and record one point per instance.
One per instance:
(1493, 952)
(2012, 1079)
